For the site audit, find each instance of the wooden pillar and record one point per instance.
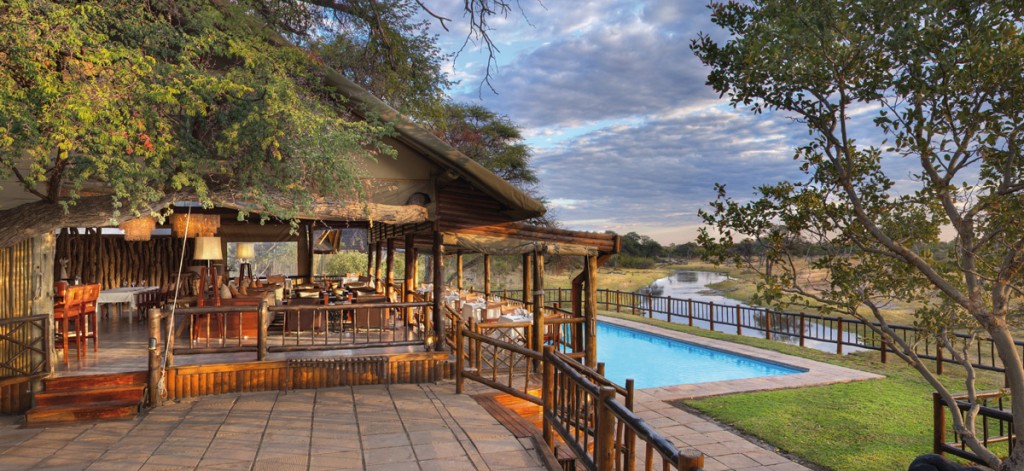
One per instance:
(439, 291)
(527, 279)
(389, 277)
(369, 259)
(487, 276)
(376, 265)
(538, 301)
(458, 271)
(580, 332)
(410, 267)
(590, 310)
(305, 253)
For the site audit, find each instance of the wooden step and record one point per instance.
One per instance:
(132, 392)
(79, 383)
(67, 413)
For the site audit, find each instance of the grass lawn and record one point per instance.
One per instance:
(867, 425)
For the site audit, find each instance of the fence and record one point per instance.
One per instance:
(579, 404)
(264, 329)
(827, 333)
(994, 424)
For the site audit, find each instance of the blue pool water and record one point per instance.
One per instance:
(654, 361)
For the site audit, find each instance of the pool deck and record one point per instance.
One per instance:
(815, 374)
(723, 449)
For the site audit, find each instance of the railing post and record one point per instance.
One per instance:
(618, 301)
(938, 358)
(689, 311)
(668, 309)
(803, 323)
(650, 306)
(459, 361)
(690, 462)
(548, 397)
(630, 438)
(155, 371)
(739, 321)
(839, 337)
(768, 324)
(262, 314)
(884, 347)
(938, 424)
(711, 315)
(604, 443)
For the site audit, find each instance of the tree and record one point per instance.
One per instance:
(944, 85)
(123, 107)
(493, 141)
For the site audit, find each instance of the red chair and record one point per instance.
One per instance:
(67, 314)
(89, 327)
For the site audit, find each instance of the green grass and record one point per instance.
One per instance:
(866, 425)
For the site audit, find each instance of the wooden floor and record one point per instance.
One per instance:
(522, 418)
(124, 344)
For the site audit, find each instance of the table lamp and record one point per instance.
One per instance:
(245, 251)
(208, 249)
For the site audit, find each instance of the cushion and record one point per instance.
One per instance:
(225, 292)
(234, 290)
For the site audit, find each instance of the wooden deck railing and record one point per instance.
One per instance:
(591, 414)
(232, 329)
(27, 352)
(994, 424)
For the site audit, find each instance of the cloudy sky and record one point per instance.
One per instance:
(626, 135)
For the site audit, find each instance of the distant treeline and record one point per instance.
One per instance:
(641, 251)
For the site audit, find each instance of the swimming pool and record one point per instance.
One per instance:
(654, 361)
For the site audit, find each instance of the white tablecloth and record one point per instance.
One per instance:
(477, 311)
(123, 295)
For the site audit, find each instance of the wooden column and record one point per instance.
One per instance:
(439, 290)
(527, 279)
(538, 301)
(410, 267)
(458, 271)
(590, 311)
(581, 332)
(389, 277)
(487, 275)
(376, 266)
(305, 253)
(369, 259)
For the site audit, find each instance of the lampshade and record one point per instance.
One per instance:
(208, 248)
(199, 225)
(245, 250)
(138, 229)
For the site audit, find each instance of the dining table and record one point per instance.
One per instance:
(127, 295)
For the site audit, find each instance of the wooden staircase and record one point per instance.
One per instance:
(87, 398)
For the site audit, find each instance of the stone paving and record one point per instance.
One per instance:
(406, 427)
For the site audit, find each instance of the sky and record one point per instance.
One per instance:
(625, 134)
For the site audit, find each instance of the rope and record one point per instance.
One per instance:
(162, 385)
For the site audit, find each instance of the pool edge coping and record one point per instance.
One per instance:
(816, 373)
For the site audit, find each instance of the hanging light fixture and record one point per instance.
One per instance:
(199, 225)
(139, 229)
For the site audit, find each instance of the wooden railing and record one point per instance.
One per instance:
(579, 404)
(232, 329)
(993, 424)
(829, 333)
(27, 346)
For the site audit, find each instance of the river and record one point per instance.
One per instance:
(694, 284)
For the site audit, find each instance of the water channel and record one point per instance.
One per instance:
(694, 284)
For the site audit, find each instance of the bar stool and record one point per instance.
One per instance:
(67, 314)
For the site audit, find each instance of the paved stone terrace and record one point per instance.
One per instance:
(409, 427)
